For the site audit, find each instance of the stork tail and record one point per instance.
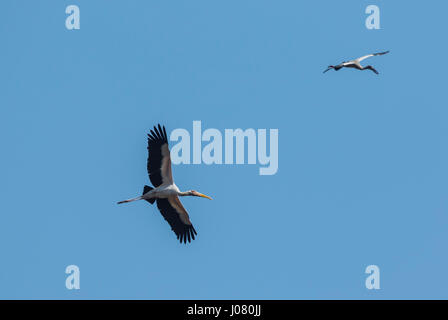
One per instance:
(146, 189)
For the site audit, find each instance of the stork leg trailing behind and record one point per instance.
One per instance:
(165, 191)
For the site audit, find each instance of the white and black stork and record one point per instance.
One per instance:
(356, 64)
(165, 191)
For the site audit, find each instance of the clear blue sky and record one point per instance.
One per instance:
(363, 160)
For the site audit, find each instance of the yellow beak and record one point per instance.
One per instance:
(204, 196)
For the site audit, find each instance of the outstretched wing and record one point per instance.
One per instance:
(372, 68)
(159, 161)
(371, 55)
(175, 214)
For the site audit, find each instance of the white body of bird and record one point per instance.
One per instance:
(163, 192)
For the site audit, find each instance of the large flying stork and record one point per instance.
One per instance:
(357, 63)
(165, 191)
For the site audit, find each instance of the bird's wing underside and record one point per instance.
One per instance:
(175, 214)
(159, 160)
(371, 55)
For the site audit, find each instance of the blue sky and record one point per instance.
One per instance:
(362, 158)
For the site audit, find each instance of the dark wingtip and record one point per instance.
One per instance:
(158, 133)
(164, 131)
(162, 134)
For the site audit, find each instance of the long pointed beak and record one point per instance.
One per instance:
(204, 196)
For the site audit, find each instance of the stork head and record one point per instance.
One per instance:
(194, 193)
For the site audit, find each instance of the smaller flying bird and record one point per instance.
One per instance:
(165, 191)
(357, 63)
